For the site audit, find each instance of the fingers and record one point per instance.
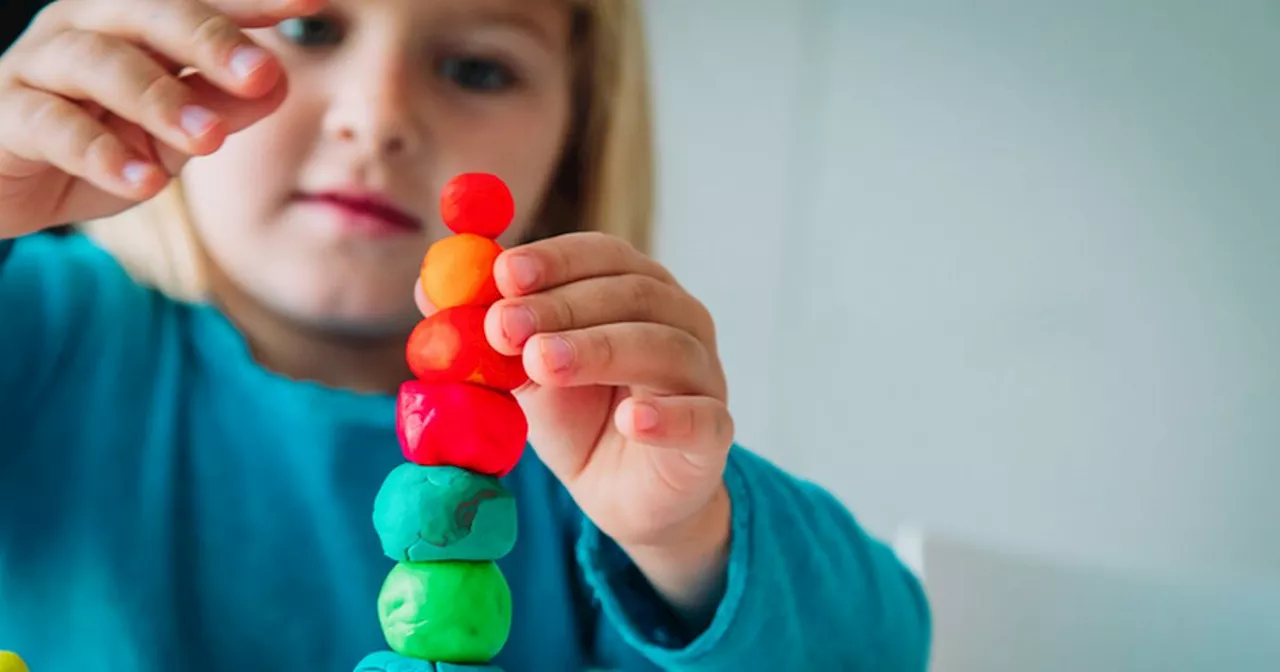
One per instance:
(264, 13)
(234, 115)
(653, 357)
(45, 129)
(129, 83)
(86, 53)
(190, 116)
(698, 424)
(589, 309)
(594, 302)
(563, 259)
(424, 304)
(192, 34)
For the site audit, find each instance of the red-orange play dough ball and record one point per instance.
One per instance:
(461, 425)
(450, 347)
(458, 271)
(477, 203)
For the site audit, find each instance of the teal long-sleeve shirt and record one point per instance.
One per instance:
(168, 504)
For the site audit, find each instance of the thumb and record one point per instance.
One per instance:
(566, 426)
(236, 115)
(420, 297)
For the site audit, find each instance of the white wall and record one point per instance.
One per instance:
(1006, 268)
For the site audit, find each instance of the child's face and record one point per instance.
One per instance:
(388, 99)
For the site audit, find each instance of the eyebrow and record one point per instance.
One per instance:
(521, 21)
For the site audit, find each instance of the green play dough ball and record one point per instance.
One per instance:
(455, 612)
(430, 514)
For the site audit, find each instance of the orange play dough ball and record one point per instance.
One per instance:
(458, 271)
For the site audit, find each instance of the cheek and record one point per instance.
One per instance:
(224, 205)
(235, 198)
(539, 161)
(228, 210)
(237, 185)
(236, 192)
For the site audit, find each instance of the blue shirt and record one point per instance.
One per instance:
(168, 504)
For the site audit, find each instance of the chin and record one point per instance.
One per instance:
(350, 316)
(367, 329)
(358, 326)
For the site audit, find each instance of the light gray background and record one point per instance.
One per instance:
(1007, 269)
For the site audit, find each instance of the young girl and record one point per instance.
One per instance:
(198, 396)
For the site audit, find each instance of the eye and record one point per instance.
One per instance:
(311, 31)
(477, 74)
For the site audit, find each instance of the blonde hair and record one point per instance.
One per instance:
(604, 182)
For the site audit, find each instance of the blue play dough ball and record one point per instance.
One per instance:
(387, 661)
(443, 513)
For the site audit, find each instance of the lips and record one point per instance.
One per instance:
(367, 205)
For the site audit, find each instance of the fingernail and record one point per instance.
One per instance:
(135, 172)
(524, 271)
(517, 324)
(645, 416)
(244, 60)
(557, 353)
(196, 121)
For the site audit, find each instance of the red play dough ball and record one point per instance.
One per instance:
(477, 203)
(499, 371)
(466, 426)
(450, 347)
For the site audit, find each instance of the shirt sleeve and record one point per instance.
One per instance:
(62, 299)
(807, 589)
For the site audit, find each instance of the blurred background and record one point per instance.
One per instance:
(1005, 276)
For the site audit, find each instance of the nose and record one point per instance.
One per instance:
(372, 107)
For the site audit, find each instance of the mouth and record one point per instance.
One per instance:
(368, 212)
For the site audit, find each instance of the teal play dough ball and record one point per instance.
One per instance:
(455, 612)
(431, 514)
(388, 661)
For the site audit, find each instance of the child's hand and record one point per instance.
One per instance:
(95, 115)
(627, 400)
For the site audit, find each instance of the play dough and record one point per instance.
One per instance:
(444, 516)
(389, 661)
(10, 662)
(450, 347)
(477, 203)
(460, 424)
(432, 514)
(458, 271)
(446, 611)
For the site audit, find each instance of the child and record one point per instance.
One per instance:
(199, 396)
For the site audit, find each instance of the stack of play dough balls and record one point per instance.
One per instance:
(443, 516)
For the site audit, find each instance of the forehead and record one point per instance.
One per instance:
(548, 22)
(543, 15)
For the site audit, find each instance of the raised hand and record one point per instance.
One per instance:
(627, 401)
(103, 101)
